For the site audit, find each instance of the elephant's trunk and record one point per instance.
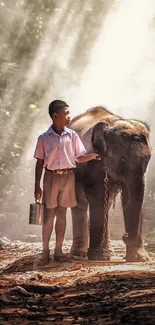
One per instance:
(132, 201)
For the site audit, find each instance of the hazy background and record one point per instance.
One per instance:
(93, 52)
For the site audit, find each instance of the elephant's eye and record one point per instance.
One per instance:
(143, 139)
(139, 138)
(136, 137)
(124, 134)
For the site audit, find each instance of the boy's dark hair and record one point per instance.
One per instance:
(56, 106)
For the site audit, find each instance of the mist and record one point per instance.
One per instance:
(87, 53)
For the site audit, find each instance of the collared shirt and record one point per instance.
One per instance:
(59, 151)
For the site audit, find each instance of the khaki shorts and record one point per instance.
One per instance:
(59, 190)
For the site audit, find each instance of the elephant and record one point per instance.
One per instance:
(125, 150)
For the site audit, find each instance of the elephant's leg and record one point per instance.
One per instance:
(80, 223)
(137, 252)
(132, 205)
(98, 245)
(113, 191)
(98, 212)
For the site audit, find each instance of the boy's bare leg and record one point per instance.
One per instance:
(60, 228)
(47, 229)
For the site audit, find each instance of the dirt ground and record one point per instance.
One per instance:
(76, 292)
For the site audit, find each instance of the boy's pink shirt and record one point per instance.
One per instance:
(57, 151)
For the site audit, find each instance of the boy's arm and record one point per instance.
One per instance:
(87, 157)
(81, 156)
(39, 154)
(38, 174)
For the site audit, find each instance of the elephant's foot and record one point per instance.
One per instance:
(77, 252)
(98, 254)
(136, 254)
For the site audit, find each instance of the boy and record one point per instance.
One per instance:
(57, 151)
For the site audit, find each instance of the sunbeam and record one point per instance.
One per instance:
(120, 74)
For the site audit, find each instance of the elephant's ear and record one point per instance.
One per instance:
(99, 137)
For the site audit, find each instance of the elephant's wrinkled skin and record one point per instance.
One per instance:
(125, 150)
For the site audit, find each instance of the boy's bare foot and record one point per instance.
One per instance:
(61, 257)
(45, 257)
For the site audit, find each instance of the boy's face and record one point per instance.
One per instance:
(63, 117)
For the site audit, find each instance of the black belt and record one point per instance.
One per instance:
(60, 171)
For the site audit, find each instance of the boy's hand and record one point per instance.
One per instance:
(38, 192)
(87, 157)
(96, 156)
